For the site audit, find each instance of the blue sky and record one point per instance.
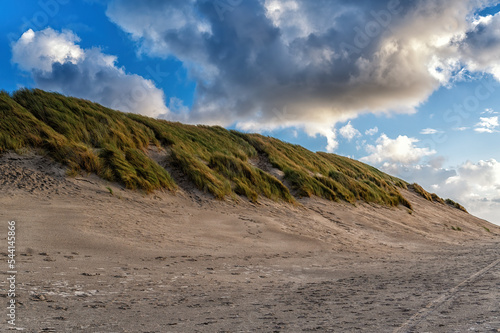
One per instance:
(409, 87)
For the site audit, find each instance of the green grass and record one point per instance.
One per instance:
(455, 205)
(329, 176)
(84, 136)
(89, 138)
(110, 190)
(247, 179)
(433, 197)
(423, 193)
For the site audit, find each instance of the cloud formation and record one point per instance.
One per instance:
(371, 131)
(487, 125)
(265, 64)
(478, 186)
(268, 64)
(480, 47)
(400, 150)
(58, 63)
(430, 131)
(489, 111)
(474, 185)
(349, 132)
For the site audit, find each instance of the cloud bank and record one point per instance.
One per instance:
(268, 64)
(474, 185)
(58, 63)
(265, 64)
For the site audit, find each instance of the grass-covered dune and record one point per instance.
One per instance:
(89, 138)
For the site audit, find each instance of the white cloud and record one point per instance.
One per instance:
(328, 132)
(474, 185)
(487, 125)
(430, 131)
(58, 63)
(371, 131)
(489, 111)
(461, 129)
(400, 150)
(149, 21)
(349, 132)
(298, 20)
(176, 105)
(360, 145)
(40, 50)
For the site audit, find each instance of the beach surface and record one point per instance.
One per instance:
(94, 257)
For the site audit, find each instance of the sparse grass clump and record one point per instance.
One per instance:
(455, 205)
(433, 197)
(436, 198)
(307, 186)
(420, 191)
(134, 169)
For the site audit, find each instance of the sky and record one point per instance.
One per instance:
(410, 87)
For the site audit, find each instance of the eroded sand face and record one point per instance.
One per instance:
(89, 261)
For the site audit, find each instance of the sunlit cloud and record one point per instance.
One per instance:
(487, 125)
(402, 150)
(58, 63)
(349, 132)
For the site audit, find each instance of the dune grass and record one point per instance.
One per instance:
(455, 205)
(248, 180)
(87, 137)
(423, 193)
(216, 160)
(329, 176)
(84, 136)
(433, 197)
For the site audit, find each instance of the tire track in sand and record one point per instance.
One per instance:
(436, 303)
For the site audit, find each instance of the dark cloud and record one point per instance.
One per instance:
(271, 63)
(481, 46)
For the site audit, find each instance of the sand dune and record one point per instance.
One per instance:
(94, 261)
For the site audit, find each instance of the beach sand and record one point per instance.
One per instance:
(89, 260)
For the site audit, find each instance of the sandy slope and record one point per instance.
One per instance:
(90, 261)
